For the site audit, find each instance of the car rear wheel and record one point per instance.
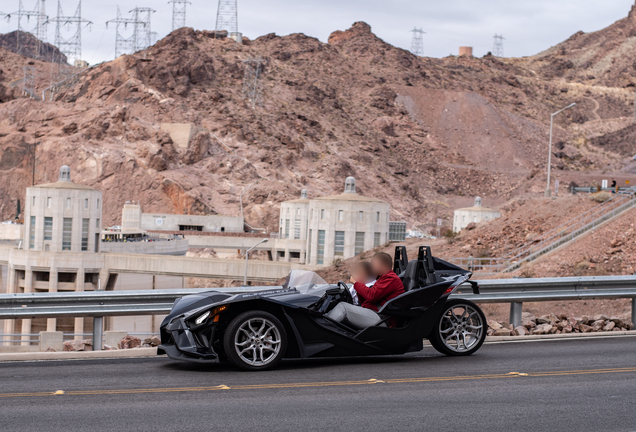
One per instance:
(461, 329)
(255, 340)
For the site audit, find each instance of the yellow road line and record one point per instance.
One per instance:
(320, 384)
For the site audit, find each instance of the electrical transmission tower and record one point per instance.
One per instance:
(498, 49)
(252, 90)
(417, 45)
(123, 45)
(142, 35)
(28, 82)
(41, 29)
(20, 14)
(71, 47)
(227, 17)
(178, 13)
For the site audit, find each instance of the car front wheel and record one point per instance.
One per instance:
(255, 340)
(460, 330)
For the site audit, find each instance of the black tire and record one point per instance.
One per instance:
(253, 351)
(449, 324)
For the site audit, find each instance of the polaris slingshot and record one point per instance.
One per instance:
(255, 331)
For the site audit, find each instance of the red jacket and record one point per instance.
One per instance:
(387, 287)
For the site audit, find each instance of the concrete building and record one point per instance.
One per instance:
(465, 51)
(62, 216)
(319, 230)
(475, 214)
(134, 220)
(61, 236)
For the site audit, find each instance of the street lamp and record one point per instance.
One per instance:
(547, 189)
(247, 255)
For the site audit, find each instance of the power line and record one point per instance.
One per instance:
(417, 44)
(178, 13)
(252, 89)
(227, 17)
(71, 47)
(498, 48)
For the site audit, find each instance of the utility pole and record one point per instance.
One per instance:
(252, 90)
(123, 45)
(227, 17)
(548, 193)
(498, 48)
(417, 44)
(178, 13)
(142, 36)
(71, 47)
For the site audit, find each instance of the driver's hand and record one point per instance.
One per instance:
(352, 280)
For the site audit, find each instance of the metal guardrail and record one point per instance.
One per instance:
(552, 239)
(595, 189)
(98, 304)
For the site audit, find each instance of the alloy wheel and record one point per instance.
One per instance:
(257, 341)
(461, 328)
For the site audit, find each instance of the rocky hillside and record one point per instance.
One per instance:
(424, 134)
(26, 44)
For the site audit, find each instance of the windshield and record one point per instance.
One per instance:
(306, 282)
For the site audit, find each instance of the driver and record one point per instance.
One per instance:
(387, 287)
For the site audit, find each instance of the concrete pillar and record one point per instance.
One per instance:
(53, 340)
(112, 338)
(51, 323)
(9, 325)
(26, 322)
(103, 279)
(2, 288)
(79, 287)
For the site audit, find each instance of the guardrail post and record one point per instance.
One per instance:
(98, 330)
(515, 313)
(633, 308)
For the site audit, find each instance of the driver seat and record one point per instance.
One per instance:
(413, 275)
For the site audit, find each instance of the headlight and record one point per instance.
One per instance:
(202, 318)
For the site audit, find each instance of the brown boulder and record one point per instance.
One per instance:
(78, 345)
(129, 342)
(152, 341)
(502, 332)
(520, 331)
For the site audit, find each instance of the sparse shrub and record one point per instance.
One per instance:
(337, 262)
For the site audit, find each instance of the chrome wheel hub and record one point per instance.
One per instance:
(257, 341)
(461, 328)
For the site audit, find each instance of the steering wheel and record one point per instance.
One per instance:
(345, 292)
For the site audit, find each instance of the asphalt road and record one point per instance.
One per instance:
(575, 385)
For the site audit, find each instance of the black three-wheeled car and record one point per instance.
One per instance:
(255, 331)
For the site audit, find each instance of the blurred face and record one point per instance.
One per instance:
(379, 267)
(359, 274)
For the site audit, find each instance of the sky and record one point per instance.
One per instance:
(528, 26)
